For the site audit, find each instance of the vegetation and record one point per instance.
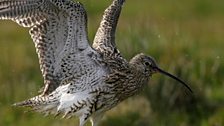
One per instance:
(186, 39)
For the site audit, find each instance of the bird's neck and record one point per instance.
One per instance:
(137, 81)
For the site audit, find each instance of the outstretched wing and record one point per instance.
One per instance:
(59, 32)
(104, 40)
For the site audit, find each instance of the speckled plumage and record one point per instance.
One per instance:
(79, 79)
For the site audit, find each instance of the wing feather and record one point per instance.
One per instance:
(104, 40)
(58, 29)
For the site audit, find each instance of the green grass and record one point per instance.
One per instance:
(185, 37)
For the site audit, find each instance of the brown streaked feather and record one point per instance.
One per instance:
(104, 40)
(58, 29)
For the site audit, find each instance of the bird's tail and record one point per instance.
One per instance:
(44, 104)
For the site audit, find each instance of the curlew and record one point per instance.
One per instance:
(79, 80)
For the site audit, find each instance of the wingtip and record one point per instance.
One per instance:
(120, 2)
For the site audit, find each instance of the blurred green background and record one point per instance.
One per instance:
(185, 37)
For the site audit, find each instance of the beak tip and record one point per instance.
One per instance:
(174, 77)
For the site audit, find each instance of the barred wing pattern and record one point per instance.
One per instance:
(59, 32)
(104, 40)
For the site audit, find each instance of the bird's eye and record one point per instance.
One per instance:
(147, 63)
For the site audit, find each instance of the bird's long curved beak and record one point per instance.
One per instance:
(174, 77)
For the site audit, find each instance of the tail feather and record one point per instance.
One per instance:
(60, 102)
(32, 102)
(42, 104)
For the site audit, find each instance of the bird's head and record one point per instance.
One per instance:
(148, 65)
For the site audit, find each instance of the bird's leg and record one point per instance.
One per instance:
(82, 121)
(95, 119)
